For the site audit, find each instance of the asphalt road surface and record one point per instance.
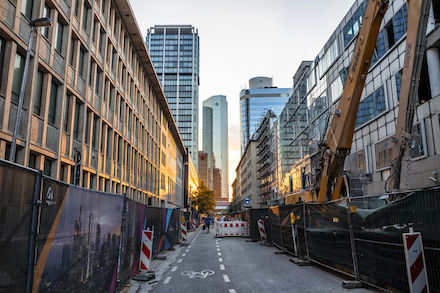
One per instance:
(232, 265)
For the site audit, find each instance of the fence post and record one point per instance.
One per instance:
(350, 231)
(36, 204)
(281, 231)
(305, 233)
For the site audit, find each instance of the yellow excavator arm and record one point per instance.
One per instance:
(418, 14)
(339, 137)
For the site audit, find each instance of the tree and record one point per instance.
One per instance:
(204, 199)
(234, 206)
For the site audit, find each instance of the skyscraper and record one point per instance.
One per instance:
(215, 136)
(261, 97)
(174, 50)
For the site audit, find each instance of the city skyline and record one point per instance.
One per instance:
(227, 65)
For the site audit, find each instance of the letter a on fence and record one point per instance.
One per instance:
(146, 250)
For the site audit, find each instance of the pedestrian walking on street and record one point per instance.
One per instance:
(208, 222)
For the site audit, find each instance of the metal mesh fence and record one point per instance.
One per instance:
(362, 236)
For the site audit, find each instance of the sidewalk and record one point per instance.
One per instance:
(159, 267)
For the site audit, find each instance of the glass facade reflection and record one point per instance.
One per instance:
(254, 104)
(174, 50)
(215, 136)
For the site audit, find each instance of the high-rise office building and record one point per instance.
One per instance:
(261, 97)
(174, 50)
(215, 136)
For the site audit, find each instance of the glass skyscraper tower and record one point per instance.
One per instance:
(215, 136)
(261, 97)
(174, 50)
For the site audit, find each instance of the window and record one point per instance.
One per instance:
(162, 182)
(354, 24)
(46, 13)
(59, 36)
(371, 106)
(398, 77)
(101, 41)
(26, 8)
(400, 22)
(72, 52)
(417, 145)
(384, 153)
(85, 19)
(95, 132)
(47, 167)
(52, 103)
(81, 61)
(76, 120)
(66, 114)
(98, 86)
(328, 58)
(38, 93)
(389, 28)
(2, 54)
(77, 3)
(18, 77)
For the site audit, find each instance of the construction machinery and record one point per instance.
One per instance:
(327, 169)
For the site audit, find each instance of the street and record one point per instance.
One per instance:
(212, 264)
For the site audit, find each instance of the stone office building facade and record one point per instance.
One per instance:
(92, 93)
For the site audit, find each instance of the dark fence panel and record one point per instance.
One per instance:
(328, 236)
(275, 226)
(16, 192)
(286, 227)
(254, 216)
(83, 235)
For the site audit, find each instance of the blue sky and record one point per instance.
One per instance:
(241, 39)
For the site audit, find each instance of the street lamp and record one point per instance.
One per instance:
(40, 22)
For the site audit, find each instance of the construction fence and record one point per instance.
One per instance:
(56, 237)
(360, 236)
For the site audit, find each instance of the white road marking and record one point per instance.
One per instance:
(232, 291)
(167, 280)
(218, 249)
(179, 261)
(187, 250)
(220, 259)
(224, 277)
(222, 267)
(174, 269)
(219, 253)
(183, 254)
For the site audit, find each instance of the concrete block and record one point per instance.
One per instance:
(351, 284)
(184, 244)
(300, 262)
(145, 277)
(161, 257)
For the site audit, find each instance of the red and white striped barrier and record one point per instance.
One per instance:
(231, 228)
(146, 250)
(415, 262)
(194, 223)
(263, 235)
(184, 232)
